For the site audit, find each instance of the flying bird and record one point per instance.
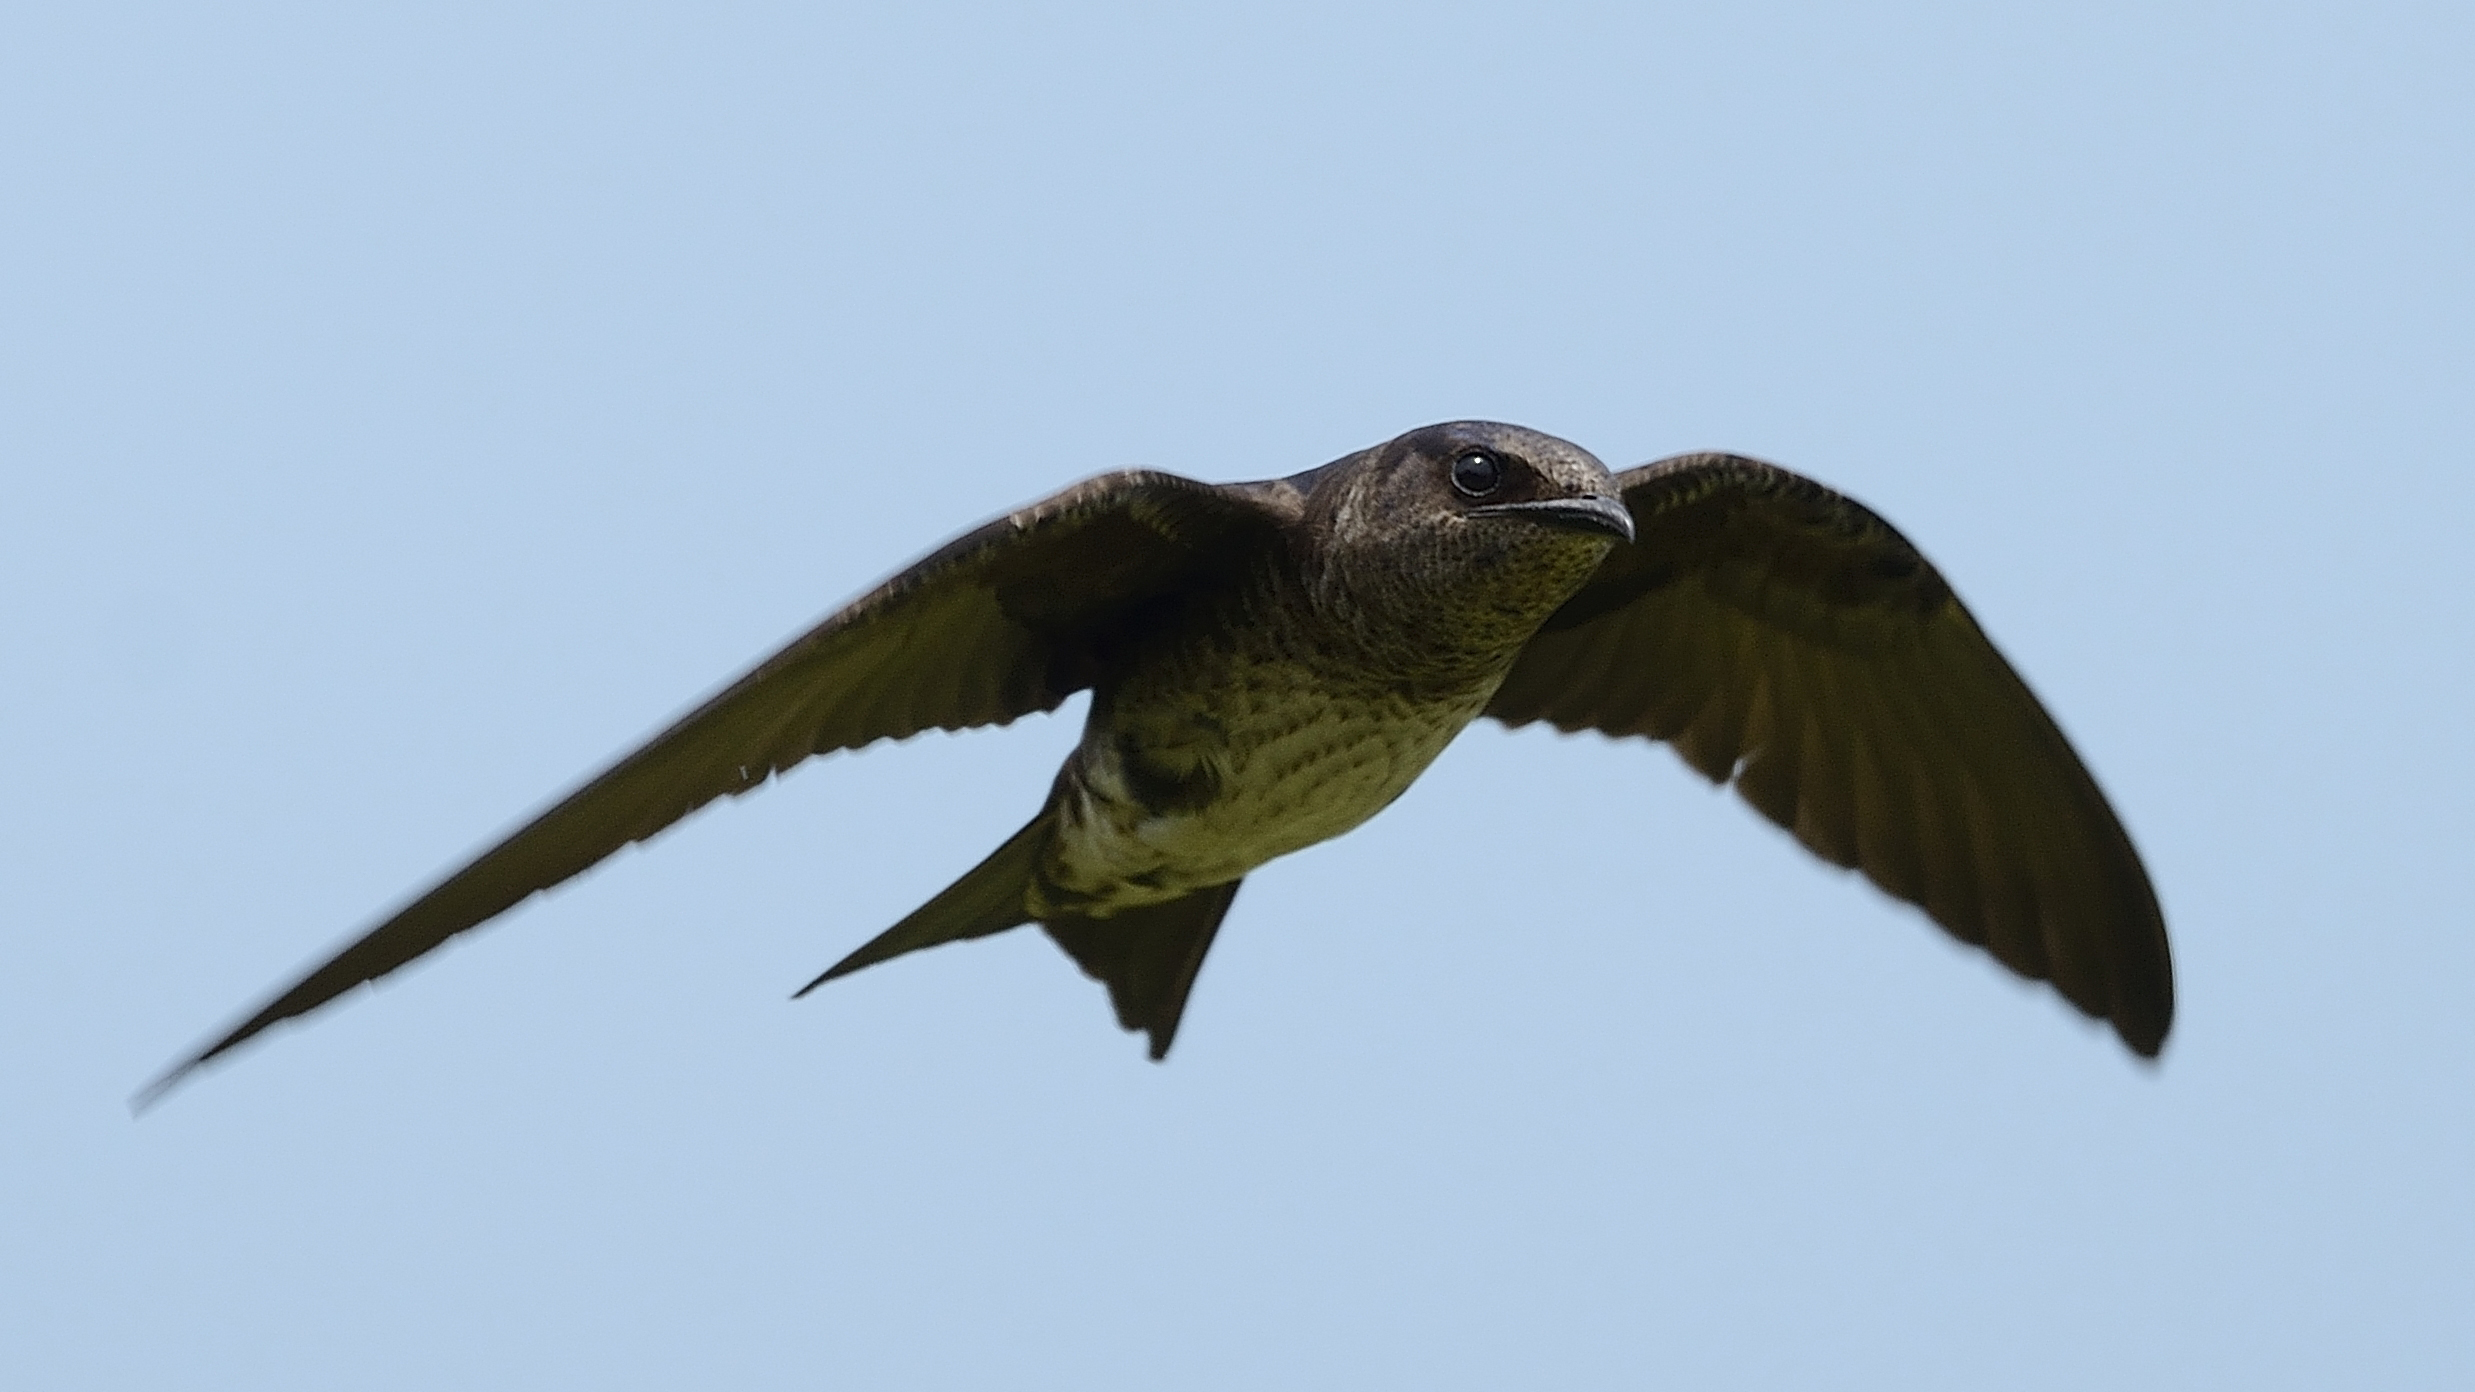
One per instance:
(1272, 663)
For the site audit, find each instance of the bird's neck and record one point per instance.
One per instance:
(1452, 641)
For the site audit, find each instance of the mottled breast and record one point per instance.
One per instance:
(1182, 789)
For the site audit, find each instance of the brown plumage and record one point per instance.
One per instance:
(1274, 662)
(1781, 635)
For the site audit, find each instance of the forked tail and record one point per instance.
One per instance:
(988, 899)
(1147, 957)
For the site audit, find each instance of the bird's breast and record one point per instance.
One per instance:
(1183, 785)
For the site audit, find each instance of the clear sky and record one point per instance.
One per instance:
(403, 409)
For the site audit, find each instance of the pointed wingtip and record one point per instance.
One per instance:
(144, 1099)
(821, 978)
(274, 1014)
(2145, 1023)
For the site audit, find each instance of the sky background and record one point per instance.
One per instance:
(404, 409)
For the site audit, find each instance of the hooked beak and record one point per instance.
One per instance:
(1591, 513)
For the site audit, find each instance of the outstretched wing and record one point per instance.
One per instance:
(1009, 619)
(1783, 636)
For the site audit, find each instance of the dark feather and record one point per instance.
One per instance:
(987, 899)
(1009, 619)
(1783, 636)
(1148, 957)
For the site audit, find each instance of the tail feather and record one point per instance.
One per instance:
(1148, 957)
(988, 899)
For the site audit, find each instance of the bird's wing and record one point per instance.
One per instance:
(1781, 635)
(1006, 620)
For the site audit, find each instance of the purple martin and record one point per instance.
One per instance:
(1273, 663)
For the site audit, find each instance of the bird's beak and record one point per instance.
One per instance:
(1589, 513)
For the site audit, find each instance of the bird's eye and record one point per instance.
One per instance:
(1477, 473)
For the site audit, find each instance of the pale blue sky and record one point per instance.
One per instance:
(404, 409)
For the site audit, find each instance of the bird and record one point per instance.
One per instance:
(1272, 663)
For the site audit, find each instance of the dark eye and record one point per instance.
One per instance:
(1477, 473)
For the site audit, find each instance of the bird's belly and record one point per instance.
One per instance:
(1280, 780)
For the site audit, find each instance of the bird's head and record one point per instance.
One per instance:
(1464, 537)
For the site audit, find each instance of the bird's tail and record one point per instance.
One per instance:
(988, 899)
(1147, 957)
